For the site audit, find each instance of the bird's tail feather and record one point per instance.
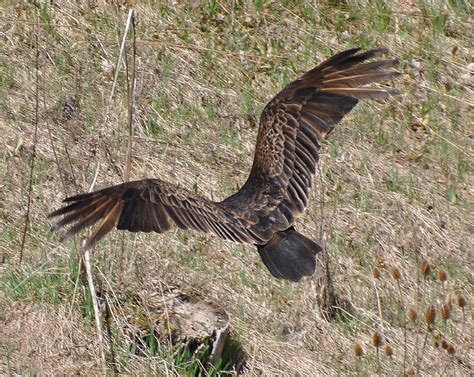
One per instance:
(290, 255)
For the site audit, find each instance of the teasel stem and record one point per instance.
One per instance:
(430, 318)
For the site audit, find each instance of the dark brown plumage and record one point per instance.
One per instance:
(292, 127)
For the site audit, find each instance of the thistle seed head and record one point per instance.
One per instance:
(388, 350)
(377, 339)
(445, 312)
(425, 269)
(376, 273)
(412, 314)
(444, 344)
(460, 300)
(451, 350)
(442, 276)
(358, 350)
(430, 315)
(396, 275)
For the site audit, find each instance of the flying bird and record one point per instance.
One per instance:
(263, 212)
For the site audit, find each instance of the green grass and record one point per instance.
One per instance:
(47, 286)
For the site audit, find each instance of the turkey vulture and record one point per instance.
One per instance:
(292, 127)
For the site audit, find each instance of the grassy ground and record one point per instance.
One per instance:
(396, 180)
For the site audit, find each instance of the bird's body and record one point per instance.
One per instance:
(292, 127)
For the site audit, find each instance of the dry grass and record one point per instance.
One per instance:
(397, 180)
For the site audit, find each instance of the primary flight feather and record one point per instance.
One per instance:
(292, 127)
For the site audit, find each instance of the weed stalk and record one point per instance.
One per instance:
(35, 138)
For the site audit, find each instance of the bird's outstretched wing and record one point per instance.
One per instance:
(293, 125)
(149, 205)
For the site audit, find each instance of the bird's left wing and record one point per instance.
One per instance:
(150, 205)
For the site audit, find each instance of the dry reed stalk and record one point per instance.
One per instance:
(95, 305)
(131, 108)
(35, 139)
(122, 49)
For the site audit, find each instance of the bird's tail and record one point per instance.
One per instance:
(290, 255)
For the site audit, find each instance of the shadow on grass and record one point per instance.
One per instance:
(193, 359)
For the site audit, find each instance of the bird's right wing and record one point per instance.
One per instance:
(293, 126)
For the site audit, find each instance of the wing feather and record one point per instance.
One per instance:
(85, 219)
(360, 93)
(107, 224)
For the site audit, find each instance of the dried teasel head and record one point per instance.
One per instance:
(388, 350)
(376, 273)
(358, 350)
(451, 350)
(460, 300)
(442, 276)
(430, 315)
(396, 275)
(412, 314)
(377, 339)
(445, 312)
(425, 269)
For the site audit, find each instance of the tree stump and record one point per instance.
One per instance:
(177, 319)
